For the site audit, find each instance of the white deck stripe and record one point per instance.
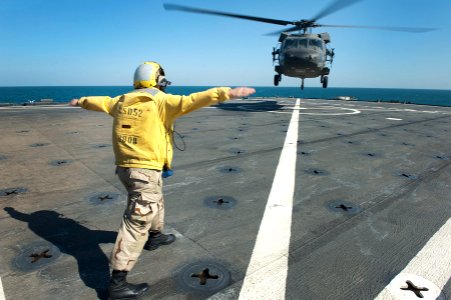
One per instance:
(2, 294)
(430, 268)
(267, 271)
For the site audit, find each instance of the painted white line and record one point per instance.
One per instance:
(267, 271)
(351, 111)
(394, 119)
(2, 294)
(288, 108)
(429, 269)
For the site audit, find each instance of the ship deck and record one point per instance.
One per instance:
(272, 198)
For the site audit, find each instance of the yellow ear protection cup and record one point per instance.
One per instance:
(147, 75)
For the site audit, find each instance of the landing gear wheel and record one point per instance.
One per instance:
(277, 79)
(324, 81)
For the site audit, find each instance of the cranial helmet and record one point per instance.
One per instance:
(149, 74)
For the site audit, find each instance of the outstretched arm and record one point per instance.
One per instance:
(177, 105)
(99, 103)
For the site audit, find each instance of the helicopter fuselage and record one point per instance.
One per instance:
(302, 56)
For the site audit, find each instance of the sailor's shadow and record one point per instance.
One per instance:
(76, 240)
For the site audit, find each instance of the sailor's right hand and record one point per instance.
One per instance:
(240, 92)
(73, 102)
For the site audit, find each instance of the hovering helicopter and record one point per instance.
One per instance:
(303, 54)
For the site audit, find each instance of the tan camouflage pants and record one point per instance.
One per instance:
(144, 212)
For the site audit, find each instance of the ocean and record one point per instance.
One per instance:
(62, 94)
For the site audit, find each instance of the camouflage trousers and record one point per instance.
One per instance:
(144, 213)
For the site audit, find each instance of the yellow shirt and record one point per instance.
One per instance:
(143, 123)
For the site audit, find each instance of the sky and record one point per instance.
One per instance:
(101, 42)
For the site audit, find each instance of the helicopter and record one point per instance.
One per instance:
(303, 54)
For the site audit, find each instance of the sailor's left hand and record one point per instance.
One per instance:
(73, 102)
(240, 92)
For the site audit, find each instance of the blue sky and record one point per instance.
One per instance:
(101, 42)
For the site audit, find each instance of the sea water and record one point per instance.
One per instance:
(62, 94)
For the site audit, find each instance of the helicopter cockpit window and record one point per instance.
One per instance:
(316, 43)
(290, 44)
(303, 43)
(295, 43)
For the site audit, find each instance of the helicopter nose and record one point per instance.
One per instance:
(301, 60)
(302, 56)
(309, 57)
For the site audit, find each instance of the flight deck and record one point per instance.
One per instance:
(271, 198)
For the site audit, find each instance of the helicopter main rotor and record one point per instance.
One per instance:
(302, 55)
(300, 25)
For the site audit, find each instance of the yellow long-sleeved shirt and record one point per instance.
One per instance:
(143, 123)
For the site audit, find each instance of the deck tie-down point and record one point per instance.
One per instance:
(442, 157)
(38, 256)
(204, 276)
(102, 146)
(220, 202)
(415, 289)
(412, 286)
(229, 169)
(304, 153)
(317, 172)
(103, 198)
(406, 175)
(236, 151)
(343, 206)
(60, 162)
(12, 192)
(35, 256)
(39, 145)
(106, 197)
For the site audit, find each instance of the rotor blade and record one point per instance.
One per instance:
(405, 29)
(218, 13)
(278, 32)
(333, 7)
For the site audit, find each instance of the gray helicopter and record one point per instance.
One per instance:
(303, 54)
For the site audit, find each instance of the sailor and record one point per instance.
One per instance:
(142, 143)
